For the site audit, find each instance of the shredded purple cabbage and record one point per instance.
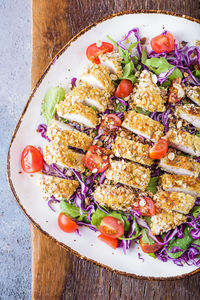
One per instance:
(73, 82)
(52, 200)
(42, 129)
(119, 99)
(162, 117)
(54, 170)
(135, 31)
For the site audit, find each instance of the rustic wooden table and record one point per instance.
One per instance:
(57, 274)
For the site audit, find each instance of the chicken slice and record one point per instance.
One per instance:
(148, 95)
(78, 112)
(189, 113)
(60, 188)
(180, 165)
(112, 60)
(132, 150)
(143, 125)
(193, 92)
(128, 173)
(166, 221)
(98, 76)
(63, 134)
(53, 153)
(91, 96)
(181, 183)
(115, 197)
(178, 202)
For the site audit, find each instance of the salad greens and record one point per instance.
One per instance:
(71, 210)
(152, 186)
(142, 111)
(51, 99)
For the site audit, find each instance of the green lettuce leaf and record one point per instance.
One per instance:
(142, 111)
(72, 211)
(51, 99)
(152, 186)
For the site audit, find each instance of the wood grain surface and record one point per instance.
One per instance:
(57, 274)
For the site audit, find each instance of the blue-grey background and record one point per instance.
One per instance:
(15, 59)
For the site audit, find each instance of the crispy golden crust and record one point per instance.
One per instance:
(188, 109)
(128, 173)
(53, 153)
(178, 202)
(180, 163)
(166, 221)
(59, 187)
(193, 92)
(187, 184)
(66, 137)
(66, 109)
(101, 74)
(132, 150)
(115, 59)
(143, 125)
(148, 94)
(84, 92)
(115, 197)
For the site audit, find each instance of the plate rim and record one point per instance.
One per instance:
(33, 91)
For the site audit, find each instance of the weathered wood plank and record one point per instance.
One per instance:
(57, 274)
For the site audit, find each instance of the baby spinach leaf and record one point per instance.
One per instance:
(72, 211)
(142, 111)
(196, 211)
(146, 239)
(51, 99)
(144, 56)
(152, 255)
(182, 243)
(97, 216)
(197, 133)
(152, 186)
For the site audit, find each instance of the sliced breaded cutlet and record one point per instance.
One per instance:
(89, 95)
(114, 197)
(128, 173)
(78, 112)
(143, 125)
(132, 150)
(65, 135)
(183, 141)
(112, 60)
(148, 95)
(98, 76)
(189, 113)
(166, 221)
(53, 153)
(193, 92)
(178, 202)
(181, 183)
(60, 188)
(180, 165)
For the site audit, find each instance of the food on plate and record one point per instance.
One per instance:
(122, 152)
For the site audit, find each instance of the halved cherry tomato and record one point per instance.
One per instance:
(163, 42)
(111, 227)
(109, 241)
(159, 149)
(66, 224)
(96, 158)
(124, 89)
(93, 51)
(31, 159)
(110, 123)
(151, 248)
(148, 209)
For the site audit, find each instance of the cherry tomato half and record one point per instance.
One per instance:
(93, 51)
(159, 149)
(111, 227)
(109, 241)
(66, 224)
(151, 248)
(31, 159)
(148, 209)
(124, 89)
(96, 158)
(163, 42)
(109, 124)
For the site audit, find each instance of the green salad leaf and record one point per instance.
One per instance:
(196, 211)
(146, 239)
(97, 216)
(51, 99)
(198, 133)
(142, 111)
(152, 255)
(161, 65)
(71, 210)
(152, 186)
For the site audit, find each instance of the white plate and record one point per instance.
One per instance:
(25, 188)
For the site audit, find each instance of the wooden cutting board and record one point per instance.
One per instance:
(57, 274)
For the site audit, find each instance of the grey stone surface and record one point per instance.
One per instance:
(15, 57)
